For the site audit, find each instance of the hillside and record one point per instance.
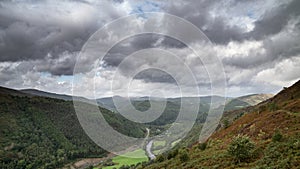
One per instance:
(245, 101)
(254, 99)
(273, 126)
(43, 132)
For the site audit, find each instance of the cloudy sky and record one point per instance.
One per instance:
(257, 42)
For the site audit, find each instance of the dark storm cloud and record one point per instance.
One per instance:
(217, 28)
(199, 13)
(274, 20)
(220, 32)
(128, 46)
(34, 38)
(154, 75)
(170, 42)
(44, 31)
(136, 43)
(33, 35)
(62, 66)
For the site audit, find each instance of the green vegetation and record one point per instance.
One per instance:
(226, 123)
(183, 156)
(284, 154)
(202, 146)
(273, 107)
(250, 141)
(160, 158)
(40, 132)
(241, 148)
(172, 154)
(159, 143)
(277, 136)
(128, 159)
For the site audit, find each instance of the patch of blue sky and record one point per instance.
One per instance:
(146, 6)
(65, 78)
(62, 78)
(250, 14)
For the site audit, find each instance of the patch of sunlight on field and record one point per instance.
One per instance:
(124, 160)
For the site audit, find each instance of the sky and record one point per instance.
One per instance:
(257, 42)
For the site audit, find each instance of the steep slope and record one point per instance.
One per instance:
(264, 124)
(42, 132)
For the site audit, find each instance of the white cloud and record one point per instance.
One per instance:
(284, 73)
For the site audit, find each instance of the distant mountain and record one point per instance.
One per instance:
(51, 95)
(272, 125)
(107, 102)
(254, 99)
(244, 101)
(204, 101)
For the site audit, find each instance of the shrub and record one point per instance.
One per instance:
(202, 146)
(273, 107)
(124, 167)
(226, 123)
(172, 154)
(241, 148)
(238, 116)
(277, 136)
(184, 156)
(160, 158)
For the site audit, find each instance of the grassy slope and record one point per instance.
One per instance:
(282, 112)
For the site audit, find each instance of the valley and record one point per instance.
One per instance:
(32, 107)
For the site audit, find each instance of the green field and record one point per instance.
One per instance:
(125, 160)
(159, 143)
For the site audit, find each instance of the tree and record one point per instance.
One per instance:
(172, 154)
(202, 146)
(160, 158)
(184, 156)
(241, 148)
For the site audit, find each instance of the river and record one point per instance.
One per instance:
(149, 146)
